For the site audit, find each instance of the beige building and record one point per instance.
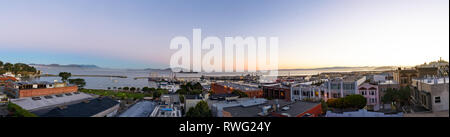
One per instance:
(404, 76)
(431, 93)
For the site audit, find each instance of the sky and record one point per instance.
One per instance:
(137, 33)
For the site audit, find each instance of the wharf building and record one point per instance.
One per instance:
(41, 88)
(250, 90)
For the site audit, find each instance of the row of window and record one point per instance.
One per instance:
(365, 93)
(346, 86)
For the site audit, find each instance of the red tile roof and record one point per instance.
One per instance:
(8, 78)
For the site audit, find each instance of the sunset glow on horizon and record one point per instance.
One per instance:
(312, 34)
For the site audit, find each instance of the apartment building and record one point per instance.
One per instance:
(371, 93)
(431, 93)
(341, 87)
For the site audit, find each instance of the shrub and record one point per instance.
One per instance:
(351, 101)
(19, 111)
(200, 110)
(355, 101)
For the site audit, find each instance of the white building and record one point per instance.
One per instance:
(304, 91)
(342, 87)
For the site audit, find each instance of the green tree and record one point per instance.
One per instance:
(64, 76)
(8, 66)
(404, 95)
(351, 101)
(182, 98)
(340, 103)
(79, 82)
(181, 91)
(190, 89)
(197, 86)
(388, 96)
(324, 106)
(132, 89)
(146, 89)
(200, 110)
(400, 97)
(355, 101)
(126, 88)
(159, 92)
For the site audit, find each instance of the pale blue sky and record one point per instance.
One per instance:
(137, 33)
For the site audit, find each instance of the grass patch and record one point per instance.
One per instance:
(19, 111)
(116, 94)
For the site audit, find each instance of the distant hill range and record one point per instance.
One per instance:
(349, 68)
(70, 65)
(375, 68)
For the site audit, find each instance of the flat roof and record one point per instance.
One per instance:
(83, 109)
(431, 81)
(242, 87)
(277, 85)
(295, 109)
(193, 96)
(28, 103)
(388, 82)
(140, 109)
(213, 96)
(33, 82)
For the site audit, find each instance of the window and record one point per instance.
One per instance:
(296, 92)
(437, 99)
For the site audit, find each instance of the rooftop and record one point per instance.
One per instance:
(140, 109)
(33, 82)
(388, 82)
(277, 85)
(192, 96)
(295, 108)
(362, 113)
(218, 96)
(32, 103)
(166, 111)
(4, 78)
(240, 86)
(431, 81)
(83, 109)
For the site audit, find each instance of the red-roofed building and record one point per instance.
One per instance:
(7, 79)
